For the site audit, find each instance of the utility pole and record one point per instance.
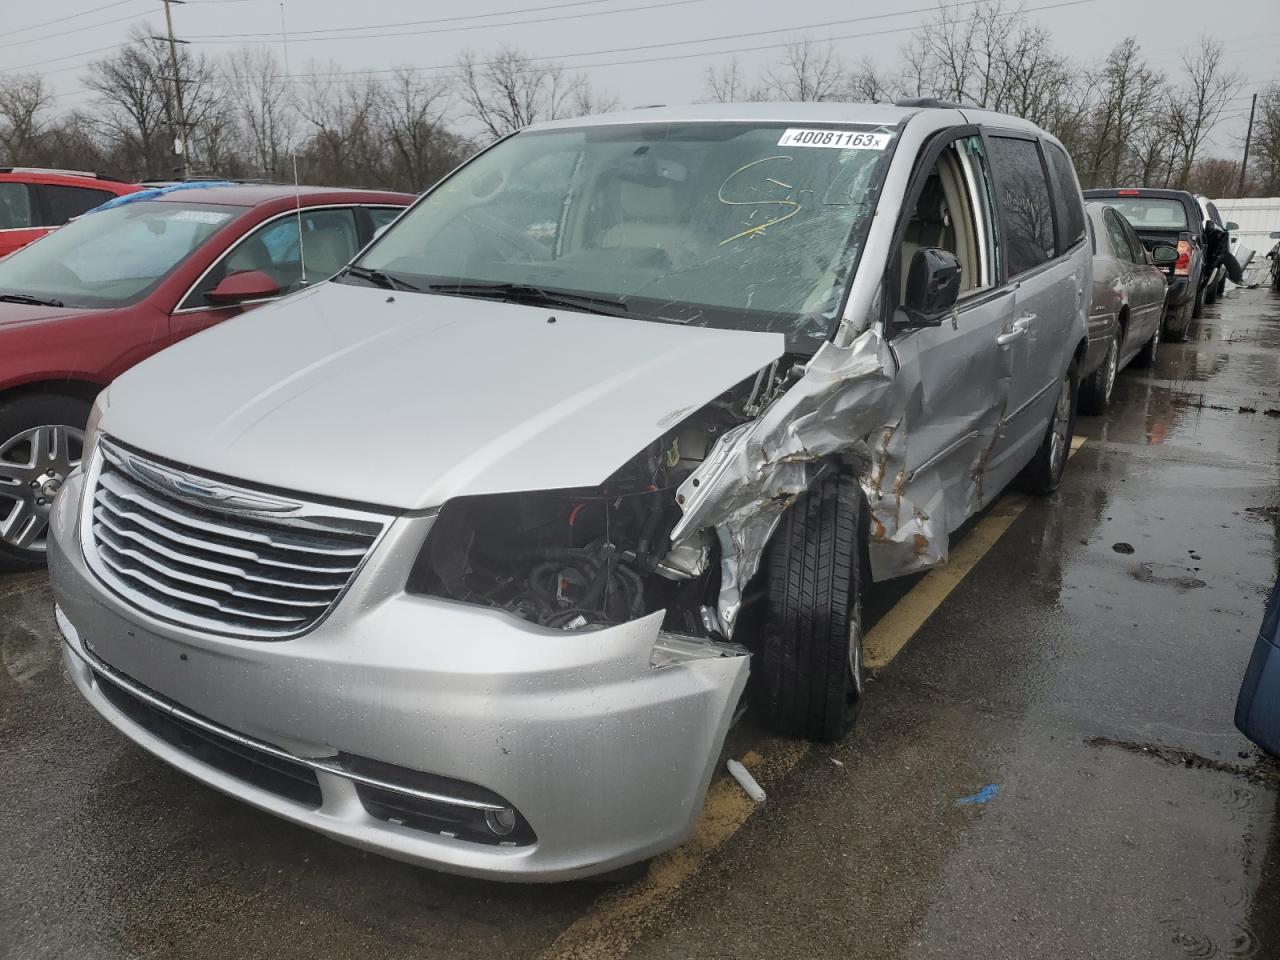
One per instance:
(180, 140)
(1247, 137)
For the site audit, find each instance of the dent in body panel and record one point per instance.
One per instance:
(857, 405)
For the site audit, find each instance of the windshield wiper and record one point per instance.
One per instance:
(30, 301)
(530, 294)
(380, 278)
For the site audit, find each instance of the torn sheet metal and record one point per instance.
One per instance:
(854, 403)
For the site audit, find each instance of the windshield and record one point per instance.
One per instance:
(112, 257)
(1151, 214)
(745, 226)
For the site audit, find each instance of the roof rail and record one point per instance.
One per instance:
(66, 173)
(933, 103)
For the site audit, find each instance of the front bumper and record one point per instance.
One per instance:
(606, 756)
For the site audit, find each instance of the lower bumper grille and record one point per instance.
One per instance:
(292, 781)
(393, 794)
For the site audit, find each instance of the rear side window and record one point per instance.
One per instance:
(1070, 204)
(1025, 204)
(65, 203)
(15, 206)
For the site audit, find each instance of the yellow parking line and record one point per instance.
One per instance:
(618, 919)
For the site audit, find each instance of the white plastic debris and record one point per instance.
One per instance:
(746, 781)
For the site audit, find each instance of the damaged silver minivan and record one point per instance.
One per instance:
(464, 556)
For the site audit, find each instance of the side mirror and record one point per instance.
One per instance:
(933, 286)
(243, 286)
(1163, 255)
(1232, 225)
(1275, 234)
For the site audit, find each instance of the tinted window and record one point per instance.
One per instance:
(1115, 233)
(1070, 204)
(329, 240)
(1025, 203)
(1148, 213)
(15, 206)
(65, 203)
(382, 216)
(1135, 245)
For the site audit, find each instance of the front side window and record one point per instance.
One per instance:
(113, 257)
(1025, 203)
(15, 207)
(1136, 249)
(327, 239)
(738, 225)
(65, 203)
(953, 211)
(1115, 233)
(1070, 203)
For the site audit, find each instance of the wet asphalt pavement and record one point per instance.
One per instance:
(1094, 688)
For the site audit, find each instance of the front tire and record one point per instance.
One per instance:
(810, 678)
(1095, 392)
(1043, 474)
(41, 442)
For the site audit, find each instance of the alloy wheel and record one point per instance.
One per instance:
(33, 466)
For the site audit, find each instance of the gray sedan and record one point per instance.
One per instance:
(1128, 300)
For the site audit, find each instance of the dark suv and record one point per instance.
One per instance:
(1172, 217)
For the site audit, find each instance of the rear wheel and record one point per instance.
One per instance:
(1095, 392)
(810, 678)
(1178, 322)
(1043, 474)
(41, 441)
(1197, 305)
(1222, 286)
(1146, 357)
(1211, 291)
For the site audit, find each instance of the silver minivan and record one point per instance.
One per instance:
(465, 556)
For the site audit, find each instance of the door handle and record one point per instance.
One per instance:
(1019, 329)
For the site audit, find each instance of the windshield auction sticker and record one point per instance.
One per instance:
(838, 139)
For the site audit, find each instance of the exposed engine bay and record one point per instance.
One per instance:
(570, 559)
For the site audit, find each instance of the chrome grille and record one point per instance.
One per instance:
(216, 557)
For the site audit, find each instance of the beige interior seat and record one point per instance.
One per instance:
(651, 219)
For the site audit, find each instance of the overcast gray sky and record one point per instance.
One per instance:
(598, 36)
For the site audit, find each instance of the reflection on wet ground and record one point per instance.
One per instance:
(1093, 686)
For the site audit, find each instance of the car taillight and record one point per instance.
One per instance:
(1127, 193)
(1183, 265)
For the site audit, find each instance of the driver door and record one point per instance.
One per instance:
(958, 372)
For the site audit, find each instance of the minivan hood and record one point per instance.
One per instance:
(405, 400)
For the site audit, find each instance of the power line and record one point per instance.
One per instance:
(70, 16)
(297, 77)
(64, 33)
(473, 26)
(405, 23)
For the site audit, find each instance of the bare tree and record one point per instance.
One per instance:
(413, 114)
(343, 114)
(137, 112)
(25, 105)
(726, 84)
(806, 71)
(511, 90)
(1195, 109)
(265, 108)
(1264, 154)
(865, 82)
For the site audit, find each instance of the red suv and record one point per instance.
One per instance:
(117, 285)
(34, 202)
